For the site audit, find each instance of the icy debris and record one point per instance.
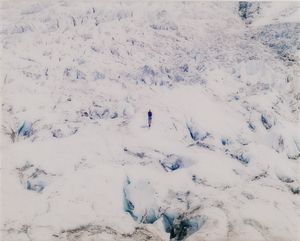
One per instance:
(165, 70)
(267, 121)
(98, 75)
(164, 26)
(293, 150)
(281, 38)
(288, 144)
(21, 29)
(37, 186)
(96, 111)
(278, 144)
(260, 176)
(137, 154)
(135, 42)
(19, 229)
(57, 133)
(201, 67)
(164, 76)
(205, 145)
(115, 52)
(225, 141)
(34, 179)
(31, 75)
(87, 227)
(285, 179)
(294, 156)
(61, 130)
(199, 180)
(182, 228)
(25, 129)
(247, 195)
(202, 181)
(105, 113)
(240, 156)
(248, 10)
(138, 201)
(150, 216)
(178, 78)
(10, 132)
(292, 147)
(113, 115)
(184, 68)
(197, 133)
(74, 74)
(171, 163)
(25, 167)
(183, 225)
(127, 204)
(148, 75)
(295, 190)
(259, 88)
(242, 141)
(184, 197)
(239, 141)
(97, 232)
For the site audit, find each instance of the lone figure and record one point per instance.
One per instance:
(149, 118)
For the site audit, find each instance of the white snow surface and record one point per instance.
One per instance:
(80, 76)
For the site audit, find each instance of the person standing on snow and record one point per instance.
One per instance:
(149, 118)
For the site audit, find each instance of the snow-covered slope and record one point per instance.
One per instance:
(221, 160)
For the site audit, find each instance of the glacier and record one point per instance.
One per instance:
(221, 160)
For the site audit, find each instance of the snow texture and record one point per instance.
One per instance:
(221, 160)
